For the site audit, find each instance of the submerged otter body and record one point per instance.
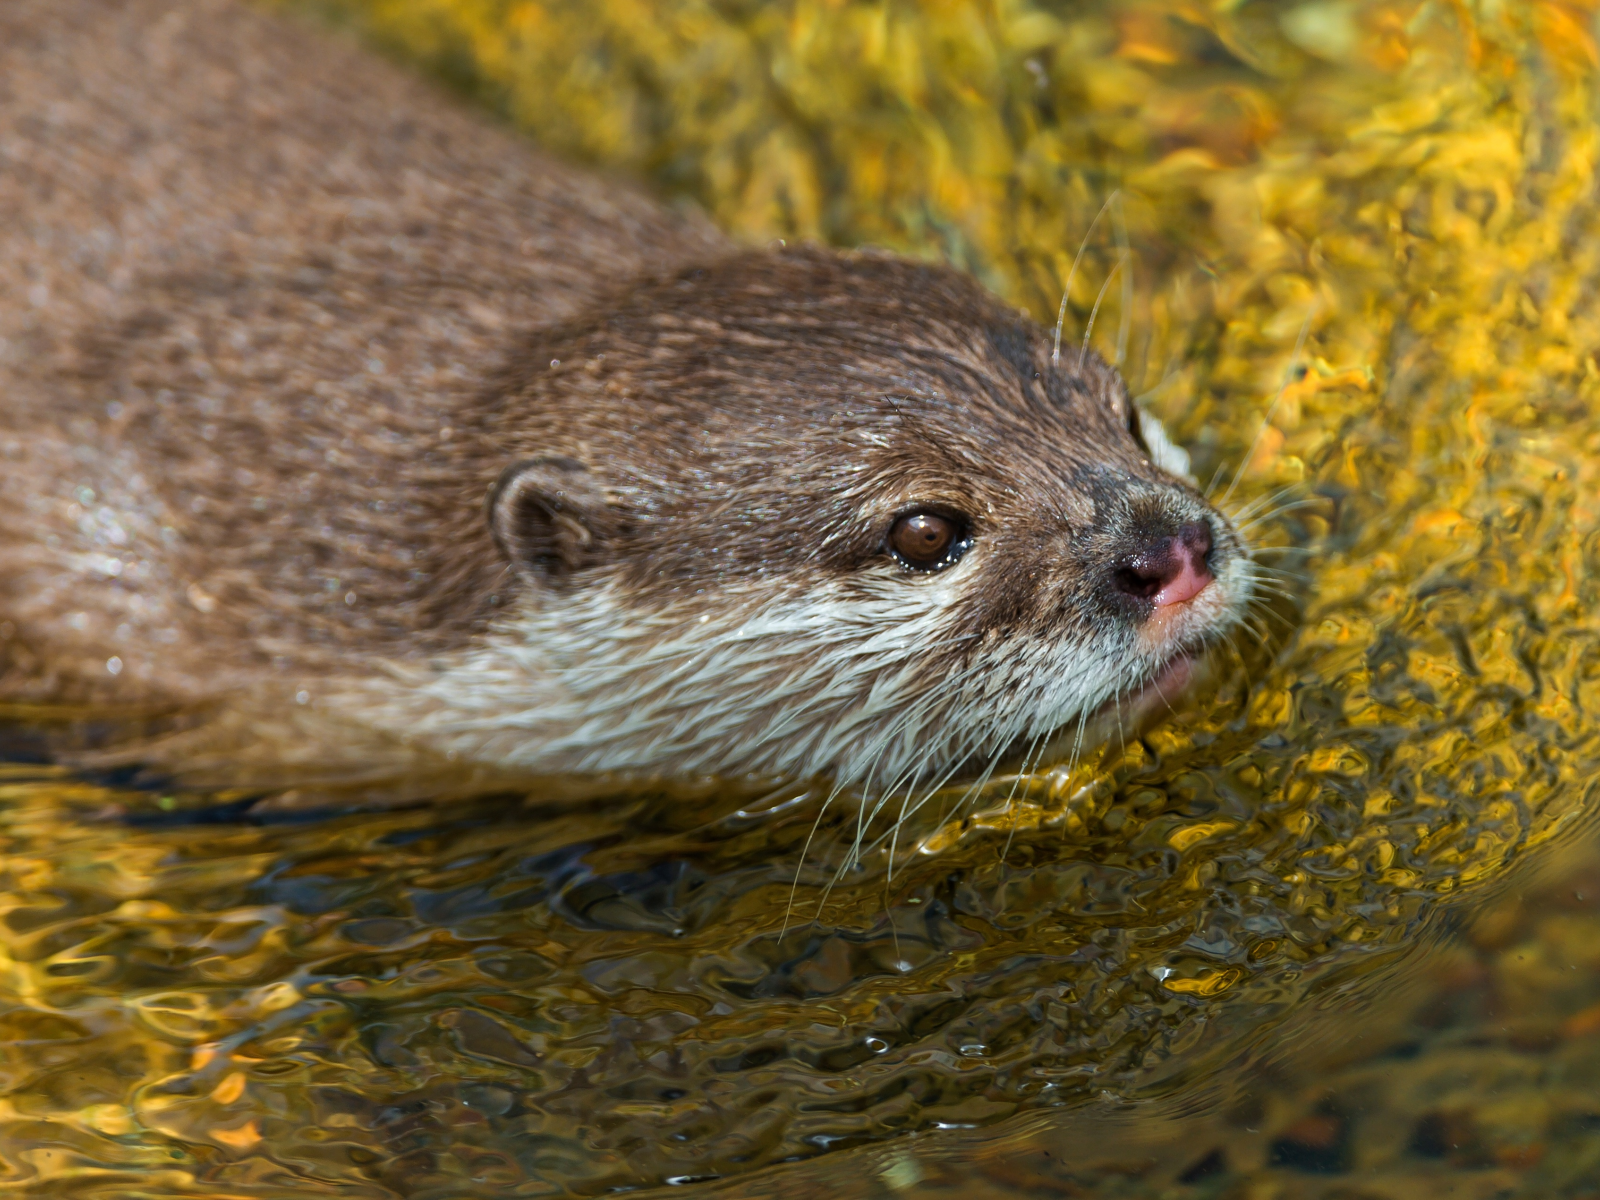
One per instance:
(322, 400)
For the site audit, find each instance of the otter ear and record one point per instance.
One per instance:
(1164, 452)
(548, 517)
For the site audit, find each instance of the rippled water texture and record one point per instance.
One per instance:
(1371, 224)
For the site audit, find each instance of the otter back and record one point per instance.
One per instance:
(246, 274)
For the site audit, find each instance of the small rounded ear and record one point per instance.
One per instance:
(1164, 452)
(548, 517)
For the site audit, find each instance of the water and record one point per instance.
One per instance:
(1327, 930)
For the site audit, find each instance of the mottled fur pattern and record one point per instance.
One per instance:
(330, 408)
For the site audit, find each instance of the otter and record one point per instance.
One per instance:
(331, 406)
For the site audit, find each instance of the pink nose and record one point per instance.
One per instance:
(1170, 570)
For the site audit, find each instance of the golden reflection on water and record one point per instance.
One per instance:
(497, 997)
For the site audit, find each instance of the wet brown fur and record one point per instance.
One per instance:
(276, 319)
(258, 271)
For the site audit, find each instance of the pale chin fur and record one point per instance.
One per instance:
(834, 680)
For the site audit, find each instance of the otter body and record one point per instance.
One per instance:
(334, 413)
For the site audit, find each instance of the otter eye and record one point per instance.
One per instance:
(927, 541)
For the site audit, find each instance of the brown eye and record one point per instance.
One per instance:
(927, 541)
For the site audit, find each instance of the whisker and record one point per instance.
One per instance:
(1122, 736)
(1259, 630)
(1271, 497)
(859, 845)
(1077, 741)
(1149, 392)
(794, 887)
(1156, 684)
(1272, 515)
(1273, 587)
(1269, 549)
(903, 815)
(1061, 316)
(1300, 576)
(1266, 509)
(966, 797)
(1119, 223)
(1216, 476)
(894, 926)
(1275, 615)
(894, 839)
(1083, 351)
(1234, 646)
(1027, 768)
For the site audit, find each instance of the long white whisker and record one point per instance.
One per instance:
(859, 846)
(1301, 576)
(1120, 224)
(1261, 502)
(1273, 514)
(1216, 476)
(1027, 768)
(1083, 351)
(794, 887)
(1061, 316)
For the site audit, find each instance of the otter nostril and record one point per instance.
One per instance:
(1148, 574)
(1169, 570)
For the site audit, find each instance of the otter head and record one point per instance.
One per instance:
(811, 513)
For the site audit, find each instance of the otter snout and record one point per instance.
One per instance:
(1170, 569)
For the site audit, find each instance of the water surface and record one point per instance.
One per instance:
(1327, 930)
